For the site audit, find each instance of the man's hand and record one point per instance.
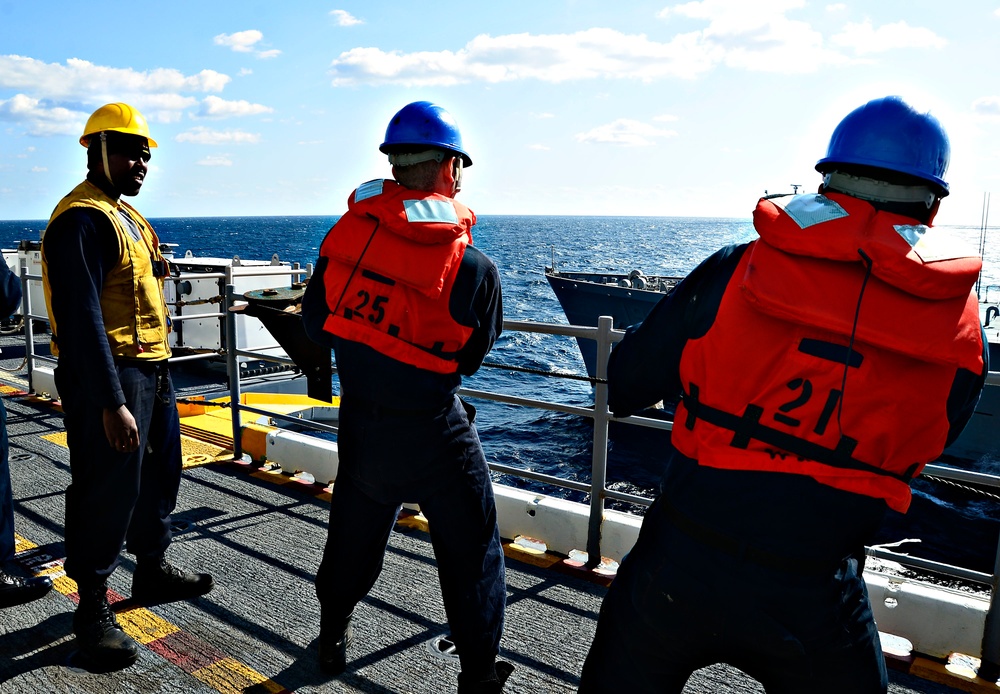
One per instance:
(121, 430)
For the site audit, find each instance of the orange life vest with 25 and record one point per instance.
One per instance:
(834, 349)
(392, 262)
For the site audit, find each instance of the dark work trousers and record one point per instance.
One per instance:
(6, 494)
(437, 461)
(117, 497)
(678, 605)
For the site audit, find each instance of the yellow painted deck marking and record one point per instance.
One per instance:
(22, 544)
(233, 677)
(144, 626)
(58, 438)
(228, 675)
(193, 451)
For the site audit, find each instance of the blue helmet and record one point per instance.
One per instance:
(425, 124)
(888, 133)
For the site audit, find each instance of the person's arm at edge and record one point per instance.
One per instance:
(485, 309)
(644, 367)
(964, 396)
(10, 291)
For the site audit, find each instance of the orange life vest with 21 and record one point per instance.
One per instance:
(834, 349)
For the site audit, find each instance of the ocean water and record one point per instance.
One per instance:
(952, 527)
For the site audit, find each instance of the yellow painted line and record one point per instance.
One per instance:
(145, 626)
(226, 675)
(58, 438)
(193, 451)
(233, 677)
(22, 544)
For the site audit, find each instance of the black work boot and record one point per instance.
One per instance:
(15, 590)
(157, 581)
(101, 642)
(333, 644)
(490, 682)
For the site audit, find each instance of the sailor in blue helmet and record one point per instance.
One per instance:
(409, 307)
(808, 398)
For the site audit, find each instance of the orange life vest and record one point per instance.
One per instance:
(393, 259)
(834, 349)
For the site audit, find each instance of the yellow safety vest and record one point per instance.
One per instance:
(132, 303)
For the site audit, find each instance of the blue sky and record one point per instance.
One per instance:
(566, 106)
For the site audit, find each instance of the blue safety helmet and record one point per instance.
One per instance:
(424, 124)
(888, 133)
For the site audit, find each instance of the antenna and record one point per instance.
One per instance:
(982, 241)
(795, 188)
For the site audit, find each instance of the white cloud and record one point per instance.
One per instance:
(836, 7)
(345, 18)
(84, 81)
(244, 71)
(543, 115)
(666, 118)
(988, 106)
(997, 12)
(218, 160)
(246, 42)
(751, 36)
(56, 99)
(241, 41)
(863, 38)
(206, 136)
(625, 131)
(544, 148)
(40, 118)
(214, 107)
(165, 108)
(550, 58)
(38, 169)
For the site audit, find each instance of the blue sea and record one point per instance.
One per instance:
(953, 527)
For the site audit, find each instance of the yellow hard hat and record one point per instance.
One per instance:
(119, 117)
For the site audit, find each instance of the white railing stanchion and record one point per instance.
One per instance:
(233, 368)
(29, 328)
(989, 668)
(599, 464)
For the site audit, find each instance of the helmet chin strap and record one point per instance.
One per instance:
(104, 158)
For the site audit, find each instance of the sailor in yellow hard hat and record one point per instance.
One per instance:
(103, 279)
(119, 128)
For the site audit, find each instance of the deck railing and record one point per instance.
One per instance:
(605, 336)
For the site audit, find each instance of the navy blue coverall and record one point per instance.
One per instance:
(756, 569)
(114, 497)
(10, 299)
(405, 436)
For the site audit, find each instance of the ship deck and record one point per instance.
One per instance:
(261, 535)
